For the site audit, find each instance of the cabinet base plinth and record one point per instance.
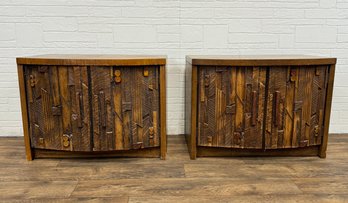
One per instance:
(223, 152)
(141, 153)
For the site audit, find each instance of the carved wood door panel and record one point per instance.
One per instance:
(58, 107)
(125, 107)
(295, 106)
(230, 106)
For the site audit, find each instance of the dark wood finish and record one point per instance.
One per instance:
(268, 105)
(221, 152)
(144, 153)
(191, 95)
(125, 111)
(92, 60)
(93, 109)
(178, 179)
(225, 110)
(259, 60)
(162, 114)
(58, 107)
(297, 108)
(328, 102)
(24, 107)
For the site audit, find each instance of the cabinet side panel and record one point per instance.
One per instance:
(328, 102)
(163, 112)
(24, 109)
(157, 97)
(191, 108)
(188, 75)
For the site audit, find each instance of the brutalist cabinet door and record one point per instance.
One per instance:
(57, 100)
(295, 106)
(125, 108)
(230, 106)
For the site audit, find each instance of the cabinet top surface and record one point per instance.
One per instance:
(259, 60)
(85, 59)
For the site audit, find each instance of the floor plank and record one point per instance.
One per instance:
(241, 199)
(183, 187)
(36, 189)
(177, 179)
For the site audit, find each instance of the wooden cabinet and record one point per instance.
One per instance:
(258, 105)
(93, 105)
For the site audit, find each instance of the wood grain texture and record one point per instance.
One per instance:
(24, 110)
(222, 152)
(92, 60)
(300, 107)
(260, 102)
(81, 108)
(178, 179)
(152, 152)
(57, 109)
(328, 102)
(122, 116)
(226, 106)
(162, 110)
(258, 60)
(188, 107)
(191, 85)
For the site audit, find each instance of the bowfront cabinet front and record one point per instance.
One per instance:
(258, 105)
(84, 105)
(295, 106)
(59, 113)
(229, 114)
(125, 103)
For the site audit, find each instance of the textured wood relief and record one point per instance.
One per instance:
(125, 107)
(230, 109)
(124, 101)
(58, 107)
(232, 105)
(295, 106)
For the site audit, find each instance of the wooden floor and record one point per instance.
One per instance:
(178, 179)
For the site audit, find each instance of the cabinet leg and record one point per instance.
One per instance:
(29, 157)
(163, 155)
(322, 154)
(192, 156)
